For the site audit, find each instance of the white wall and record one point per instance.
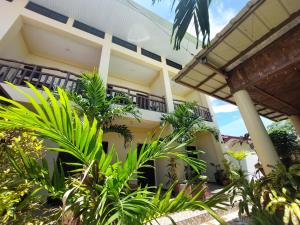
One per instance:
(248, 164)
(14, 48)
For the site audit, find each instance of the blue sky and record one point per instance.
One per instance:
(228, 117)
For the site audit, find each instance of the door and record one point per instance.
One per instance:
(148, 173)
(189, 171)
(142, 101)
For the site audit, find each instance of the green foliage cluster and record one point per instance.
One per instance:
(285, 140)
(185, 119)
(100, 191)
(272, 199)
(90, 98)
(13, 188)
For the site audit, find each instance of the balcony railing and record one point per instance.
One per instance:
(18, 73)
(143, 100)
(200, 110)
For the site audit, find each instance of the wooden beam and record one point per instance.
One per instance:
(269, 113)
(276, 99)
(204, 62)
(260, 110)
(219, 88)
(273, 117)
(205, 80)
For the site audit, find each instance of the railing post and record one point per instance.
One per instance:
(32, 74)
(66, 80)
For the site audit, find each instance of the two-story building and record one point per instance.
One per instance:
(50, 42)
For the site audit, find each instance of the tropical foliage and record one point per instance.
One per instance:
(14, 189)
(272, 199)
(187, 12)
(285, 140)
(100, 192)
(185, 119)
(90, 98)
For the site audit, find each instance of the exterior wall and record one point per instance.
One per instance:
(248, 164)
(213, 153)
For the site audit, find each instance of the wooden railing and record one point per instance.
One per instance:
(143, 100)
(200, 110)
(18, 73)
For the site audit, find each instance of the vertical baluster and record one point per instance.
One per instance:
(59, 81)
(4, 74)
(72, 86)
(45, 80)
(39, 79)
(52, 83)
(32, 74)
(14, 75)
(66, 80)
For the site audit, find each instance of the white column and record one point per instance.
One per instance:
(168, 90)
(105, 58)
(261, 140)
(296, 122)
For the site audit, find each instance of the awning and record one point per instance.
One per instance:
(255, 27)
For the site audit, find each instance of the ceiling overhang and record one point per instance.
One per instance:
(255, 28)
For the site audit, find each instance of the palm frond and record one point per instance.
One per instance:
(187, 12)
(56, 121)
(120, 129)
(90, 98)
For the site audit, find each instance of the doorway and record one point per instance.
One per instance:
(148, 173)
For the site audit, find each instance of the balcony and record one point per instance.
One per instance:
(19, 73)
(201, 111)
(143, 100)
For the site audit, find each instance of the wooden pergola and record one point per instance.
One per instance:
(258, 51)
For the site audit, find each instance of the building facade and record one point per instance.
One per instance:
(44, 43)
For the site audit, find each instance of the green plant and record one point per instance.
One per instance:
(90, 98)
(185, 119)
(185, 13)
(14, 189)
(100, 193)
(275, 195)
(285, 140)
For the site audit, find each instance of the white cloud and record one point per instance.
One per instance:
(219, 18)
(226, 108)
(221, 106)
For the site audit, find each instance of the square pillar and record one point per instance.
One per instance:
(167, 86)
(258, 133)
(296, 122)
(105, 58)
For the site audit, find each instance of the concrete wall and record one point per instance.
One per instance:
(248, 164)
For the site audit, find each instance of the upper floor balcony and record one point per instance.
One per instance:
(19, 73)
(201, 111)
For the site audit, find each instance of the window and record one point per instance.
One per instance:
(124, 44)
(46, 12)
(91, 30)
(151, 55)
(173, 64)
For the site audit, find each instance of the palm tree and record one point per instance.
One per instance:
(100, 193)
(186, 12)
(186, 120)
(90, 98)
